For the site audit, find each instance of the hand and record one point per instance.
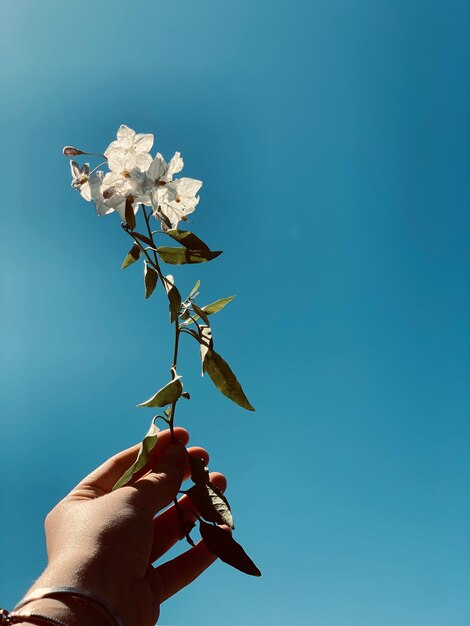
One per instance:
(106, 541)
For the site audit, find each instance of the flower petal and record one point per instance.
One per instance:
(174, 166)
(187, 187)
(96, 191)
(157, 168)
(143, 143)
(75, 169)
(142, 160)
(85, 191)
(125, 135)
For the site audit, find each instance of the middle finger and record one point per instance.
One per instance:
(167, 526)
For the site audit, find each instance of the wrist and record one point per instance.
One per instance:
(72, 609)
(68, 609)
(69, 573)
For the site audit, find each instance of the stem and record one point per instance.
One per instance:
(173, 369)
(94, 154)
(189, 331)
(173, 438)
(97, 167)
(136, 241)
(195, 321)
(154, 263)
(183, 525)
(149, 230)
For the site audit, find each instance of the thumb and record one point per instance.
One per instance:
(158, 488)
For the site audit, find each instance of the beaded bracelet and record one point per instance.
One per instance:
(51, 592)
(7, 618)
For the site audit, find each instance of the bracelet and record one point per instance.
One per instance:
(7, 618)
(51, 592)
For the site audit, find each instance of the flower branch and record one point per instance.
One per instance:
(136, 180)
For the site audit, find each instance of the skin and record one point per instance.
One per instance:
(107, 541)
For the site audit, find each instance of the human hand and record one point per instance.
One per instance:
(106, 541)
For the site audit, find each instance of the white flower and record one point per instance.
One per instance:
(175, 200)
(127, 183)
(117, 202)
(107, 200)
(92, 187)
(160, 171)
(158, 175)
(130, 150)
(98, 195)
(105, 197)
(135, 176)
(80, 177)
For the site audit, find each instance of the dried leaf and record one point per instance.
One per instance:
(199, 471)
(129, 214)
(179, 256)
(187, 239)
(143, 238)
(200, 313)
(150, 280)
(211, 504)
(146, 447)
(132, 256)
(174, 297)
(184, 315)
(224, 379)
(166, 395)
(206, 343)
(221, 543)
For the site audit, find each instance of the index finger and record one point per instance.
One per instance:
(103, 479)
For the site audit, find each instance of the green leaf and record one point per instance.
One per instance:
(187, 239)
(150, 280)
(175, 303)
(224, 379)
(129, 214)
(221, 543)
(174, 297)
(132, 257)
(199, 471)
(194, 289)
(166, 395)
(211, 504)
(217, 306)
(179, 256)
(146, 447)
(212, 308)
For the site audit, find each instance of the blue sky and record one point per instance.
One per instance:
(333, 140)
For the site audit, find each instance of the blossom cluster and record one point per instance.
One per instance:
(135, 177)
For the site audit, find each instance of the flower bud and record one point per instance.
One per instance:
(70, 151)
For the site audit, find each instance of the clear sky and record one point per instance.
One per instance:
(333, 139)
